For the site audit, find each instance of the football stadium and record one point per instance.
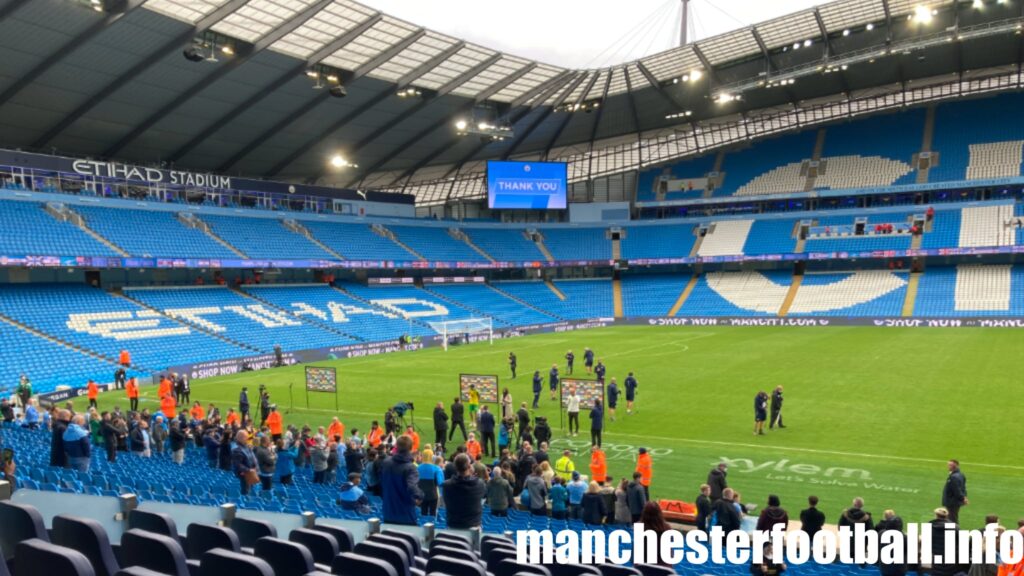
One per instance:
(297, 287)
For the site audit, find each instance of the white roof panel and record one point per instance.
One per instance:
(670, 64)
(322, 29)
(527, 82)
(618, 84)
(259, 17)
(838, 16)
(190, 11)
(789, 29)
(496, 72)
(420, 52)
(460, 63)
(728, 47)
(381, 36)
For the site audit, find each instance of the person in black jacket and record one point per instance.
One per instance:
(178, 440)
(854, 515)
(487, 426)
(463, 496)
(716, 480)
(458, 419)
(890, 521)
(636, 497)
(512, 363)
(954, 493)
(593, 505)
(596, 423)
(60, 425)
(109, 434)
(537, 387)
(703, 507)
(812, 519)
(440, 425)
(725, 512)
(243, 403)
(243, 460)
(776, 408)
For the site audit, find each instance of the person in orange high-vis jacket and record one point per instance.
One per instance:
(131, 388)
(125, 359)
(197, 412)
(168, 406)
(376, 434)
(233, 419)
(336, 431)
(411, 433)
(473, 447)
(275, 423)
(166, 387)
(93, 391)
(644, 465)
(598, 465)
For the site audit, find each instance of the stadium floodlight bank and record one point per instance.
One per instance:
(464, 331)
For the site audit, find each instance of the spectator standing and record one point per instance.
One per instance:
(559, 499)
(440, 425)
(954, 493)
(773, 514)
(266, 458)
(487, 429)
(458, 418)
(463, 496)
(811, 519)
(593, 506)
(717, 481)
(703, 507)
(178, 439)
(636, 497)
(77, 445)
(243, 461)
(537, 491)
(577, 488)
(645, 466)
(431, 479)
(499, 493)
(400, 485)
(725, 513)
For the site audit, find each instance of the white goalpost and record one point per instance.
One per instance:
(458, 329)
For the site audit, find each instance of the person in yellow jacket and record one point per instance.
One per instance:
(564, 466)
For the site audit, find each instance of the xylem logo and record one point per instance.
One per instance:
(748, 466)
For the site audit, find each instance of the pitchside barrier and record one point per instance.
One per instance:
(229, 366)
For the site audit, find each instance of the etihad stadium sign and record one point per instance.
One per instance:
(149, 175)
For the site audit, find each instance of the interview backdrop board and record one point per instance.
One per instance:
(486, 385)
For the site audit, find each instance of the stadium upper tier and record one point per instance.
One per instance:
(866, 153)
(164, 232)
(63, 334)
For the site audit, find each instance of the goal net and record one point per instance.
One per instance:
(464, 331)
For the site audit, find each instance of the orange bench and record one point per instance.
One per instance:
(678, 511)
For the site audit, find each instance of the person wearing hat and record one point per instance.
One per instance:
(645, 466)
(275, 423)
(954, 493)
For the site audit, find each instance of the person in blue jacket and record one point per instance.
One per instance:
(286, 455)
(399, 481)
(352, 496)
(77, 445)
(613, 398)
(538, 383)
(631, 385)
(588, 359)
(599, 371)
(553, 380)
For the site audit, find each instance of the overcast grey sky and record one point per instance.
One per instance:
(582, 33)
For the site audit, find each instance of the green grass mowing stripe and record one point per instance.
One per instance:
(870, 412)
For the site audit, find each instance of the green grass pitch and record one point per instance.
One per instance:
(871, 412)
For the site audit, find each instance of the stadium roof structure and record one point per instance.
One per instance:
(107, 79)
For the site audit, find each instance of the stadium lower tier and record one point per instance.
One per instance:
(65, 334)
(70, 522)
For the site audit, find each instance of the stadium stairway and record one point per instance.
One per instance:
(617, 295)
(523, 302)
(208, 230)
(616, 249)
(926, 146)
(196, 327)
(911, 297)
(539, 241)
(383, 231)
(297, 227)
(794, 286)
(64, 213)
(555, 289)
(461, 236)
(684, 295)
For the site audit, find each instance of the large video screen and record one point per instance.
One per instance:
(526, 185)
